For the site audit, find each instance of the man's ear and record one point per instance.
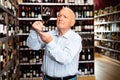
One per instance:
(72, 23)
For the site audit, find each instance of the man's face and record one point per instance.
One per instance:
(64, 19)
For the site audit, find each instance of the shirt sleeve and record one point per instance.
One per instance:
(33, 41)
(67, 54)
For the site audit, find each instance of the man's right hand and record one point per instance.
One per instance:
(38, 26)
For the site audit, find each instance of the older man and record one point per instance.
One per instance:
(62, 47)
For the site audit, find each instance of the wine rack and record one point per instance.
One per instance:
(107, 31)
(9, 60)
(30, 11)
(29, 60)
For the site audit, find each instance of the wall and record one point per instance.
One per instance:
(101, 4)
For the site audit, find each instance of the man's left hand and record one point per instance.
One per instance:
(45, 37)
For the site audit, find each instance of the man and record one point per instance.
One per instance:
(62, 47)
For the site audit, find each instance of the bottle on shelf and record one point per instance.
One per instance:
(3, 28)
(3, 55)
(4, 76)
(1, 62)
(83, 55)
(23, 12)
(90, 54)
(86, 69)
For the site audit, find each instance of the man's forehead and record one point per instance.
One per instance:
(68, 11)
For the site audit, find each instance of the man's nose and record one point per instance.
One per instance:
(61, 17)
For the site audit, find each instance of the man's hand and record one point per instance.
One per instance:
(38, 26)
(45, 37)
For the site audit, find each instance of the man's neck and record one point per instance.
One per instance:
(62, 32)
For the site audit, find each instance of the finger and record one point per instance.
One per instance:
(35, 24)
(39, 24)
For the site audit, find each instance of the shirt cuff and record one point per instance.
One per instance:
(51, 45)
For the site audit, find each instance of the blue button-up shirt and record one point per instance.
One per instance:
(61, 54)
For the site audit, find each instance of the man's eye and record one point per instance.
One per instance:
(65, 16)
(62, 16)
(59, 15)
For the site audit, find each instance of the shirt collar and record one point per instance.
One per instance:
(66, 35)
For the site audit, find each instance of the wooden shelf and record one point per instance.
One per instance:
(10, 42)
(7, 66)
(39, 78)
(89, 61)
(4, 39)
(30, 63)
(111, 22)
(86, 78)
(3, 9)
(100, 39)
(107, 48)
(52, 18)
(54, 4)
(102, 15)
(107, 32)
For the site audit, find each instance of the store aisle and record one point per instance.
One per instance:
(106, 69)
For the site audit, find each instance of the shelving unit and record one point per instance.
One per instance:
(84, 26)
(107, 32)
(9, 60)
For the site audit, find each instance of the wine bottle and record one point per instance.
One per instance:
(29, 13)
(1, 62)
(84, 11)
(32, 12)
(88, 68)
(35, 12)
(85, 1)
(34, 57)
(10, 48)
(1, 29)
(33, 1)
(90, 54)
(23, 12)
(85, 69)
(27, 28)
(24, 27)
(83, 56)
(24, 71)
(3, 58)
(70, 1)
(12, 29)
(39, 1)
(26, 11)
(10, 72)
(4, 76)
(91, 68)
(30, 57)
(45, 1)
